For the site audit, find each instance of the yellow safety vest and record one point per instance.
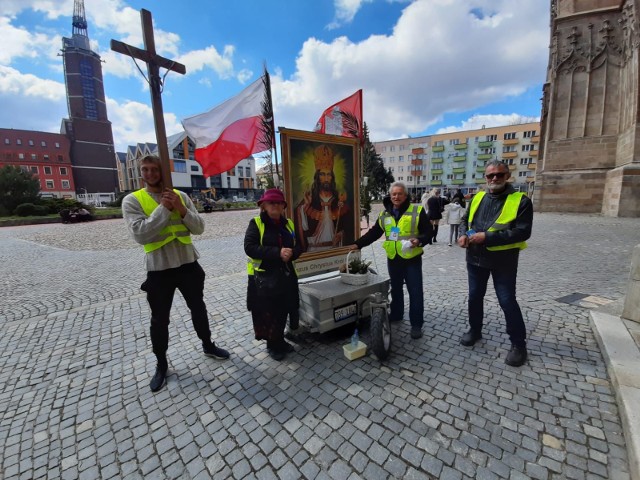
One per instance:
(508, 215)
(253, 264)
(408, 225)
(174, 230)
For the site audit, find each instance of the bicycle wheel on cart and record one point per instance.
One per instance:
(380, 330)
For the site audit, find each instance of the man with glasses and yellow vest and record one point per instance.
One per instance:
(162, 220)
(498, 223)
(407, 229)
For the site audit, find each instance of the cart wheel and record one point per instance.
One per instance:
(380, 333)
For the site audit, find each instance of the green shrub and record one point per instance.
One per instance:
(25, 210)
(55, 205)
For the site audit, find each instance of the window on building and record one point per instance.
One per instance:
(247, 171)
(63, 171)
(47, 170)
(49, 184)
(392, 148)
(392, 159)
(409, 178)
(34, 156)
(526, 161)
(454, 141)
(401, 158)
(45, 157)
(401, 169)
(7, 141)
(65, 184)
(435, 177)
(492, 138)
(31, 143)
(195, 168)
(528, 148)
(34, 170)
(24, 168)
(529, 134)
(439, 143)
(510, 136)
(43, 143)
(240, 171)
(508, 161)
(522, 174)
(60, 159)
(19, 142)
(57, 145)
(384, 149)
(88, 89)
(450, 177)
(179, 166)
(509, 148)
(21, 156)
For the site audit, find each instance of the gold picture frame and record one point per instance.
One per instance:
(321, 187)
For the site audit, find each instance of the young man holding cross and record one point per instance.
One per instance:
(162, 220)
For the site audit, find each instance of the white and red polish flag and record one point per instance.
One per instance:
(229, 132)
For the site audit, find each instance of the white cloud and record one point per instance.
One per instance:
(197, 60)
(132, 123)
(441, 57)
(477, 122)
(345, 11)
(29, 102)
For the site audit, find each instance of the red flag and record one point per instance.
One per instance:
(229, 132)
(343, 118)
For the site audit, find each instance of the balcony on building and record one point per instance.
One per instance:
(485, 156)
(460, 158)
(438, 148)
(415, 173)
(511, 141)
(417, 151)
(460, 170)
(479, 180)
(480, 169)
(533, 153)
(485, 144)
(510, 154)
(437, 160)
(436, 182)
(457, 181)
(416, 161)
(460, 146)
(532, 166)
(437, 171)
(535, 139)
(530, 178)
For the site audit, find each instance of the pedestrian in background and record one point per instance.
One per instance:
(452, 215)
(162, 220)
(499, 222)
(434, 206)
(270, 243)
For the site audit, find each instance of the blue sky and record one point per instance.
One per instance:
(425, 66)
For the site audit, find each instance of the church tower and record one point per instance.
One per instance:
(88, 128)
(590, 122)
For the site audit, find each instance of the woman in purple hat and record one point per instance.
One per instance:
(272, 290)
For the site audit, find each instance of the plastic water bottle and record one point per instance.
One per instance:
(355, 339)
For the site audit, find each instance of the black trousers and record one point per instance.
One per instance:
(160, 287)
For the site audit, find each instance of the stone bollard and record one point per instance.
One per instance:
(632, 300)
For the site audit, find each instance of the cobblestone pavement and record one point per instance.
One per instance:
(75, 362)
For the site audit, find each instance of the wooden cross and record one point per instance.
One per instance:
(154, 62)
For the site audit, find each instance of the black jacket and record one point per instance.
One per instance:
(487, 213)
(425, 230)
(275, 237)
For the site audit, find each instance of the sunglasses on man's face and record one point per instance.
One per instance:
(491, 176)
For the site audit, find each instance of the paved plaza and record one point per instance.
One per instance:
(75, 363)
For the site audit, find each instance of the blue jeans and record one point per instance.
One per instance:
(504, 282)
(409, 272)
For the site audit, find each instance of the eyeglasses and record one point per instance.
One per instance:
(491, 176)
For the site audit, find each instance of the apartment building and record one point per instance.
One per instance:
(45, 155)
(457, 160)
(186, 172)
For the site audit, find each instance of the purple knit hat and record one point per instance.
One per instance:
(272, 195)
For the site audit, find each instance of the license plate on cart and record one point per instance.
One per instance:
(345, 312)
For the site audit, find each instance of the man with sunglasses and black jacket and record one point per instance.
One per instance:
(498, 223)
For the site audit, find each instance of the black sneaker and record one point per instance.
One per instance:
(286, 347)
(470, 338)
(215, 352)
(516, 357)
(416, 333)
(277, 355)
(159, 379)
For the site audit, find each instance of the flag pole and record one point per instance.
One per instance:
(272, 121)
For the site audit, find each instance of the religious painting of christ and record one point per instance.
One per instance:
(321, 175)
